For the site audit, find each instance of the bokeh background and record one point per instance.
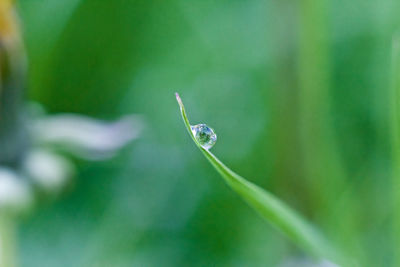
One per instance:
(297, 91)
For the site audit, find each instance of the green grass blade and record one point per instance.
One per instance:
(269, 207)
(395, 139)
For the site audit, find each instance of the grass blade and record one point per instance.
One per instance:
(395, 140)
(269, 207)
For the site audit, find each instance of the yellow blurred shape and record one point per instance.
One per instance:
(8, 22)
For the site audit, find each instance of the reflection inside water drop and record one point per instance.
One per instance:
(204, 135)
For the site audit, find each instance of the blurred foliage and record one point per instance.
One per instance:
(236, 63)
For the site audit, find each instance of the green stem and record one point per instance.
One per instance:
(324, 171)
(321, 159)
(395, 132)
(13, 139)
(7, 241)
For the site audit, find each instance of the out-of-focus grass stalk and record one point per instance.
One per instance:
(323, 167)
(7, 241)
(321, 158)
(12, 139)
(395, 138)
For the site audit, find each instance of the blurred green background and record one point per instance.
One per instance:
(297, 92)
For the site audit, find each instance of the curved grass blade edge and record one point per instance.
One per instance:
(269, 207)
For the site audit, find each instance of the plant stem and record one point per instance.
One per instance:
(321, 159)
(13, 141)
(395, 132)
(324, 171)
(12, 87)
(7, 241)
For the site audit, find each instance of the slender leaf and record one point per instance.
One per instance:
(395, 139)
(269, 207)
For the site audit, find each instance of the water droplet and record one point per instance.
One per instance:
(204, 135)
